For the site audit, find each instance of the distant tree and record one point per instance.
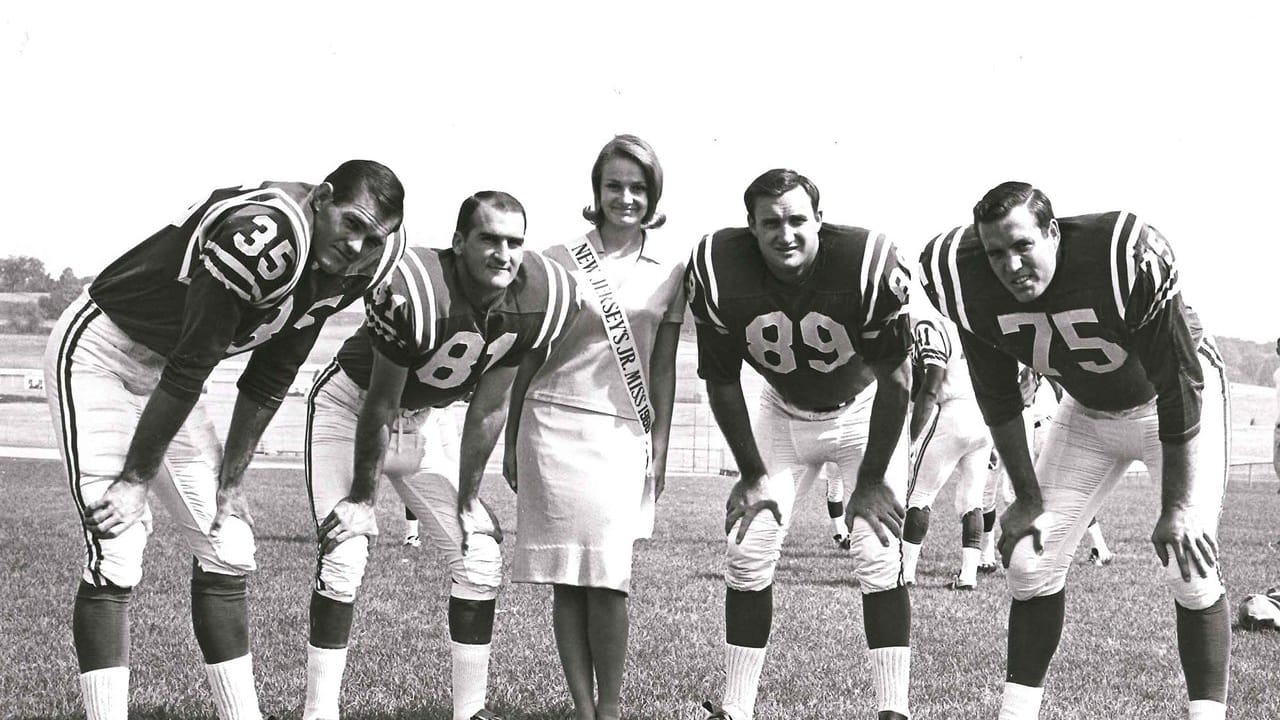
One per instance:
(21, 273)
(61, 294)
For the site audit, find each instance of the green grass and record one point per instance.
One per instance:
(1118, 656)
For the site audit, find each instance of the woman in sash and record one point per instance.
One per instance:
(587, 434)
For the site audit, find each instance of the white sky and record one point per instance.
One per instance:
(118, 115)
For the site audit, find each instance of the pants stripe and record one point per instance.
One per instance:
(322, 378)
(70, 439)
(924, 445)
(1210, 352)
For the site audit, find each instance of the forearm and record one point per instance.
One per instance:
(249, 420)
(1178, 474)
(662, 387)
(1010, 439)
(485, 416)
(160, 421)
(729, 408)
(888, 414)
(926, 399)
(370, 449)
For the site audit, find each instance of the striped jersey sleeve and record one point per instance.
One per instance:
(1144, 276)
(885, 283)
(401, 312)
(254, 253)
(938, 276)
(562, 303)
(702, 288)
(930, 344)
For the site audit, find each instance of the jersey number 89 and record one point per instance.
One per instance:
(816, 330)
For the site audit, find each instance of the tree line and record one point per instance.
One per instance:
(25, 274)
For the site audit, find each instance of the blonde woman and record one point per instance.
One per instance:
(587, 434)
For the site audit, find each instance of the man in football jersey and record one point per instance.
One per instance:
(948, 440)
(249, 269)
(449, 322)
(1093, 302)
(816, 309)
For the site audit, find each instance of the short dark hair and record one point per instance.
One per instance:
(641, 153)
(776, 183)
(384, 187)
(1003, 198)
(495, 199)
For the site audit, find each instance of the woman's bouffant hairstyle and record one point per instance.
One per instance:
(640, 152)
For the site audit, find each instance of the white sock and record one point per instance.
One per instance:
(989, 548)
(325, 667)
(1206, 710)
(969, 565)
(838, 527)
(910, 556)
(106, 693)
(470, 678)
(891, 675)
(1095, 537)
(1020, 702)
(411, 528)
(742, 680)
(234, 694)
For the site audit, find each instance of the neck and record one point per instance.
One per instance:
(480, 298)
(615, 240)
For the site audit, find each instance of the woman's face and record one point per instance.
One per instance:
(624, 193)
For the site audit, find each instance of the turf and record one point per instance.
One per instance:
(1118, 657)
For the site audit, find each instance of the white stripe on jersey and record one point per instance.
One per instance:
(962, 316)
(563, 278)
(392, 250)
(710, 288)
(552, 291)
(871, 294)
(231, 263)
(423, 325)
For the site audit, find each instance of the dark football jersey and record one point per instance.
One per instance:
(232, 275)
(1111, 328)
(810, 342)
(421, 320)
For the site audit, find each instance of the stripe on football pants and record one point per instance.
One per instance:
(923, 445)
(322, 378)
(70, 438)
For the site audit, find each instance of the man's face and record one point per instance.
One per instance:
(493, 248)
(786, 230)
(1023, 256)
(345, 235)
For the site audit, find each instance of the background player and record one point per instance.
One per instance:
(449, 322)
(949, 440)
(247, 269)
(1092, 301)
(834, 354)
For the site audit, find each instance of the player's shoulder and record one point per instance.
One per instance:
(540, 282)
(846, 249)
(727, 261)
(256, 243)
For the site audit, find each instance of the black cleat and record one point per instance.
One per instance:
(717, 712)
(890, 715)
(484, 714)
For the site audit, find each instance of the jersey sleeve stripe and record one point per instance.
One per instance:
(946, 270)
(566, 296)
(864, 275)
(239, 280)
(705, 274)
(302, 237)
(871, 291)
(423, 322)
(553, 291)
(394, 249)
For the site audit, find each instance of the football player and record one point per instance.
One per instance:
(449, 322)
(249, 269)
(1092, 302)
(817, 310)
(948, 440)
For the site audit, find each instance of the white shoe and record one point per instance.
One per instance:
(412, 541)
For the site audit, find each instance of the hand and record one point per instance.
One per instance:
(1191, 544)
(120, 507)
(509, 466)
(346, 520)
(476, 518)
(232, 502)
(874, 502)
(656, 473)
(745, 502)
(1022, 518)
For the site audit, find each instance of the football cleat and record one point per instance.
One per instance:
(956, 584)
(717, 712)
(412, 541)
(987, 568)
(844, 542)
(1261, 612)
(890, 715)
(484, 714)
(1099, 559)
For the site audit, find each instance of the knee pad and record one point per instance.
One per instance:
(342, 570)
(876, 567)
(1031, 575)
(1199, 593)
(749, 565)
(232, 549)
(477, 575)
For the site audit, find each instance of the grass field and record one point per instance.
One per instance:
(1118, 656)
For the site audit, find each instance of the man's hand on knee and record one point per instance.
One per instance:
(348, 519)
(745, 502)
(1192, 546)
(117, 510)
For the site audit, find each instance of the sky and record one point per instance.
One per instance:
(117, 116)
